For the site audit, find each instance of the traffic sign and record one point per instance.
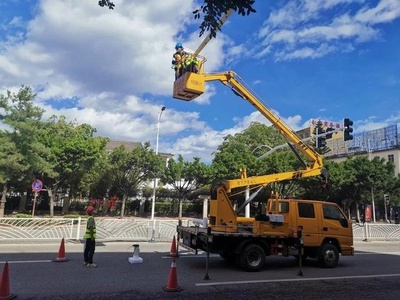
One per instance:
(37, 186)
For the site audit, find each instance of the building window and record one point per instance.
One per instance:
(391, 158)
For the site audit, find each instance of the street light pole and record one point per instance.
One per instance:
(372, 188)
(153, 200)
(247, 191)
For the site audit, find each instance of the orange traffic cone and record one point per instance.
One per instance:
(5, 292)
(173, 251)
(172, 285)
(61, 253)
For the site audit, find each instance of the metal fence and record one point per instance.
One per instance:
(14, 229)
(136, 229)
(376, 231)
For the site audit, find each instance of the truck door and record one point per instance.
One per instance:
(335, 223)
(311, 224)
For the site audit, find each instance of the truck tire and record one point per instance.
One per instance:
(328, 256)
(252, 258)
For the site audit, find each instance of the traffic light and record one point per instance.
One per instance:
(386, 198)
(321, 140)
(347, 123)
(329, 135)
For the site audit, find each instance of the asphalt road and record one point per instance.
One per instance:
(374, 272)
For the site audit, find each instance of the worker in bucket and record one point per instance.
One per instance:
(90, 238)
(178, 60)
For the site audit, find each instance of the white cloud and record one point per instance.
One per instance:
(112, 68)
(371, 123)
(305, 52)
(105, 62)
(293, 29)
(385, 11)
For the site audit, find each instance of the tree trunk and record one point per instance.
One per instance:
(180, 208)
(123, 206)
(105, 205)
(51, 197)
(357, 211)
(3, 200)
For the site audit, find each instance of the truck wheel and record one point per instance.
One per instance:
(328, 256)
(252, 258)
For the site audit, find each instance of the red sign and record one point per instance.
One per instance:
(368, 213)
(325, 123)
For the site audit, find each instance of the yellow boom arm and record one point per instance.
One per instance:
(222, 215)
(191, 85)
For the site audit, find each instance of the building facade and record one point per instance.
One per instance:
(382, 143)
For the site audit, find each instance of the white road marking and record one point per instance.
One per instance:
(25, 261)
(295, 279)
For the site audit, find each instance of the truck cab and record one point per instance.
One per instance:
(323, 225)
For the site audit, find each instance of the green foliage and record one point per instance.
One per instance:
(72, 216)
(106, 3)
(213, 10)
(242, 150)
(22, 155)
(128, 171)
(23, 216)
(12, 161)
(77, 206)
(164, 208)
(350, 182)
(185, 176)
(67, 157)
(74, 152)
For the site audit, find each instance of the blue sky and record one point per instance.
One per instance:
(306, 59)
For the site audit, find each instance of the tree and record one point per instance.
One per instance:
(186, 177)
(214, 9)
(243, 150)
(11, 164)
(27, 156)
(351, 181)
(74, 151)
(211, 10)
(129, 170)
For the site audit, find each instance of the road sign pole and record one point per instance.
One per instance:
(34, 204)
